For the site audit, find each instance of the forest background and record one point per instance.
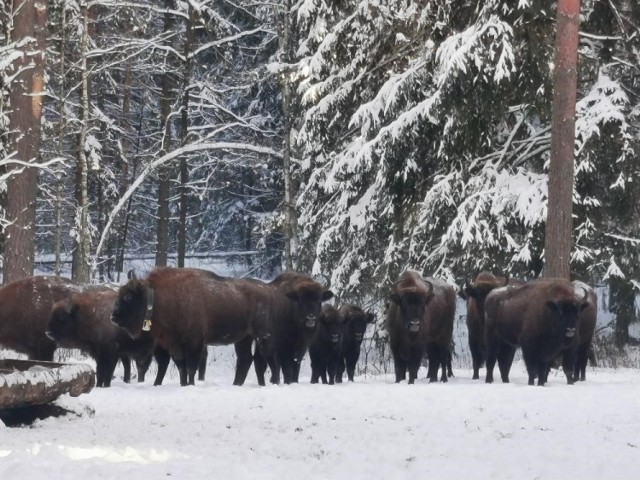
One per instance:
(351, 139)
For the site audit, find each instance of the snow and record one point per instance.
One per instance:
(372, 428)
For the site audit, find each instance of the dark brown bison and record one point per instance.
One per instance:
(355, 325)
(586, 328)
(295, 309)
(420, 320)
(475, 295)
(541, 317)
(83, 321)
(186, 309)
(25, 309)
(325, 348)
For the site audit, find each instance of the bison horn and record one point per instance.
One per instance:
(131, 274)
(430, 287)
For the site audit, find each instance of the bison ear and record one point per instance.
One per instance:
(75, 309)
(552, 305)
(462, 294)
(395, 298)
(292, 295)
(469, 292)
(326, 295)
(371, 318)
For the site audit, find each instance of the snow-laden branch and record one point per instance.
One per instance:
(151, 167)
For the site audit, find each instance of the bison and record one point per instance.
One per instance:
(295, 308)
(541, 317)
(475, 295)
(25, 309)
(185, 309)
(355, 325)
(586, 328)
(325, 348)
(83, 321)
(420, 320)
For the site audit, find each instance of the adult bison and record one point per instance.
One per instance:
(475, 295)
(355, 325)
(325, 348)
(541, 317)
(83, 321)
(25, 308)
(420, 320)
(586, 328)
(186, 309)
(296, 305)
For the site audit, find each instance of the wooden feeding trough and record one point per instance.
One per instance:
(25, 383)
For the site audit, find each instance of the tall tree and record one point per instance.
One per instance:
(164, 174)
(559, 228)
(29, 30)
(80, 270)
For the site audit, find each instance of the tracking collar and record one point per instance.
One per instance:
(146, 325)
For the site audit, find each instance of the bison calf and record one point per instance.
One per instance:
(355, 325)
(325, 348)
(83, 321)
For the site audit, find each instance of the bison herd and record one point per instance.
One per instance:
(176, 313)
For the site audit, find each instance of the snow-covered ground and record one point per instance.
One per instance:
(367, 430)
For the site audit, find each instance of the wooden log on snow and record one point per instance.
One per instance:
(24, 383)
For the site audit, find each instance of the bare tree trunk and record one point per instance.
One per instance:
(164, 173)
(184, 169)
(284, 34)
(558, 239)
(124, 168)
(60, 146)
(80, 268)
(29, 20)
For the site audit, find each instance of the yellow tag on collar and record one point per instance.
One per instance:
(146, 326)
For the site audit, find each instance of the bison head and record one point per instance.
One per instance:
(130, 307)
(308, 298)
(333, 324)
(63, 322)
(566, 312)
(412, 303)
(356, 323)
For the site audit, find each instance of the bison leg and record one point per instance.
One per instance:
(400, 368)
(340, 369)
(126, 364)
(323, 375)
(244, 358)
(193, 357)
(492, 356)
(505, 360)
(296, 371)
(568, 364)
(315, 373)
(259, 366)
(351, 362)
(181, 363)
(476, 358)
(202, 366)
(434, 356)
(531, 363)
(162, 359)
(142, 366)
(543, 371)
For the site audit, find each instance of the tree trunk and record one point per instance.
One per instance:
(558, 238)
(284, 34)
(80, 268)
(124, 169)
(29, 20)
(164, 173)
(184, 130)
(60, 146)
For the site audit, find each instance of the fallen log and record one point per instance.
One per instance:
(26, 383)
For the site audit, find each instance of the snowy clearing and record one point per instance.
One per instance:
(369, 429)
